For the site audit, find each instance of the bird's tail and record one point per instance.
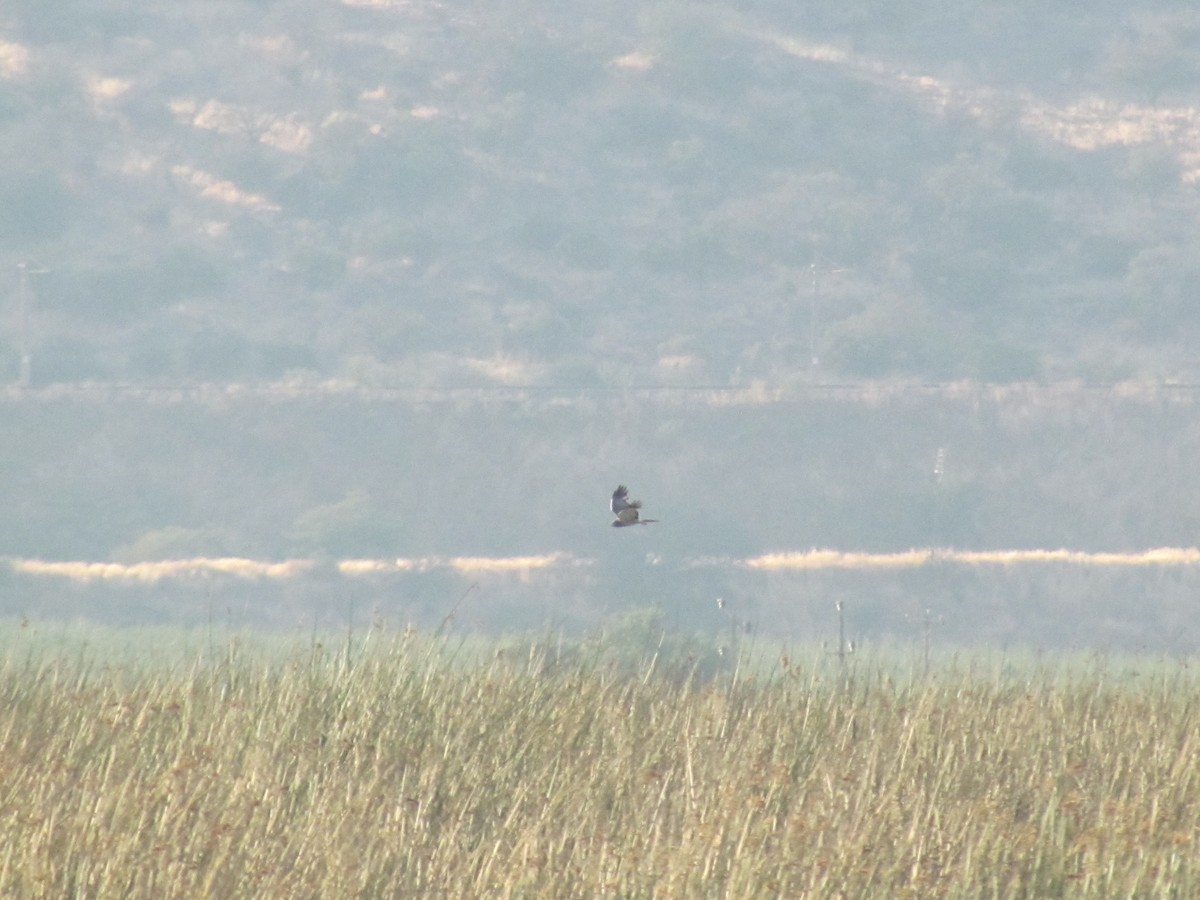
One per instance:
(646, 521)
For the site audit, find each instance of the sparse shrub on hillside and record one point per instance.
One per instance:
(176, 542)
(349, 527)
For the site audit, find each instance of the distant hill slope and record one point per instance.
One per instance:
(443, 489)
(279, 472)
(477, 194)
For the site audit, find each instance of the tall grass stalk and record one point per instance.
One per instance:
(295, 775)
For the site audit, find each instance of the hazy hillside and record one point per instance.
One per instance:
(566, 194)
(434, 494)
(344, 219)
(266, 474)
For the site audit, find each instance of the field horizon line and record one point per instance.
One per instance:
(523, 566)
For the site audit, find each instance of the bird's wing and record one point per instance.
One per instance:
(618, 499)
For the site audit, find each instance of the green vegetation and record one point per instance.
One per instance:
(566, 194)
(408, 768)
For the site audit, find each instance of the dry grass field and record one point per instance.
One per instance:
(409, 772)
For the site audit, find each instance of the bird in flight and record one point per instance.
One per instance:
(626, 510)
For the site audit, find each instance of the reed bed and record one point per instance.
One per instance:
(406, 772)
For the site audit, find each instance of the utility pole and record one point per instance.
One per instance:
(26, 370)
(25, 345)
(842, 645)
(939, 471)
(814, 361)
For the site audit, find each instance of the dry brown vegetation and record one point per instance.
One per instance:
(407, 773)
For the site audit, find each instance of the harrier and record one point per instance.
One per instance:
(626, 511)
